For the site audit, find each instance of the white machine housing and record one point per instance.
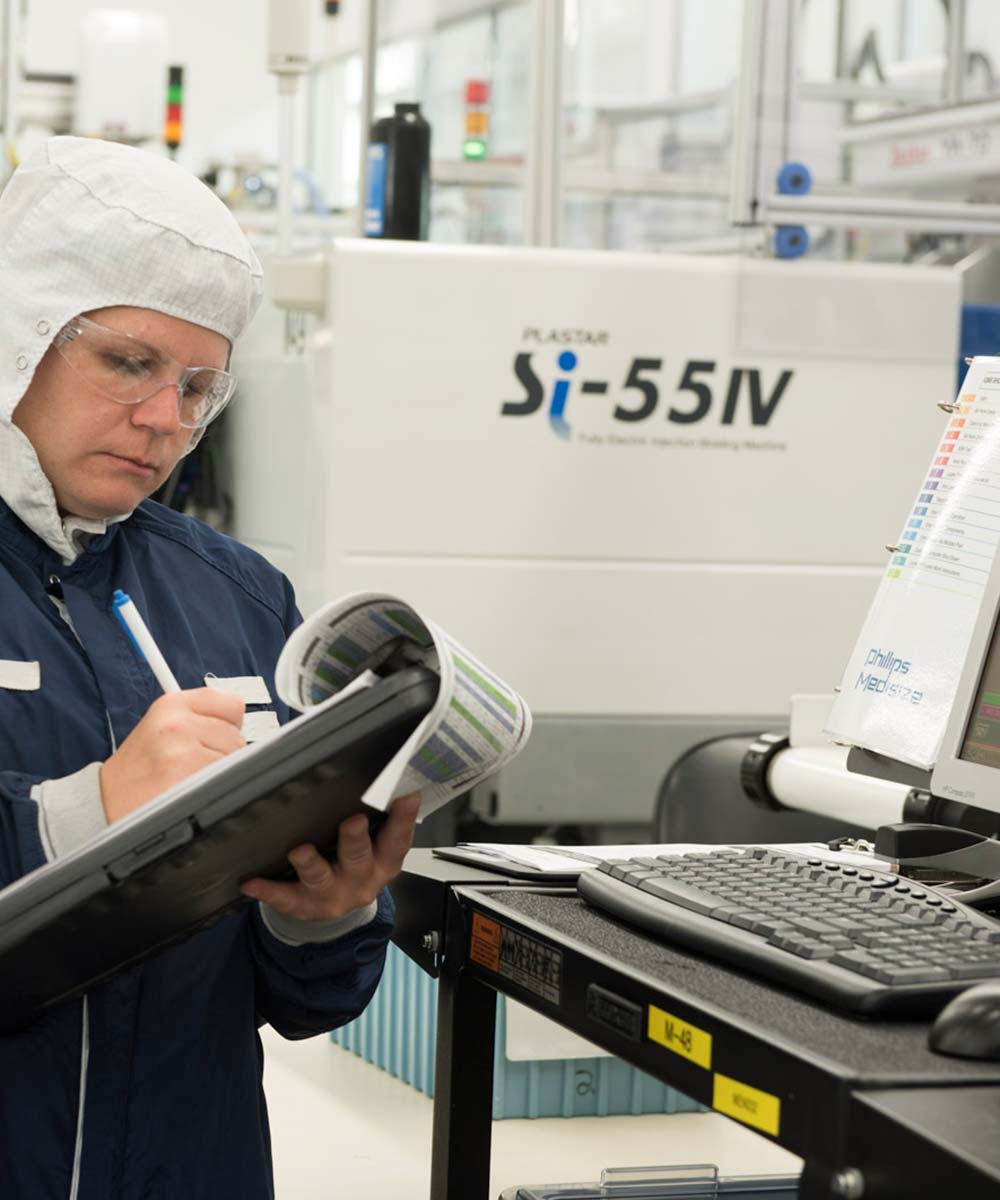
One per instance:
(654, 492)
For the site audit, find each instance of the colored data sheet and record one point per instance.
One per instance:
(900, 681)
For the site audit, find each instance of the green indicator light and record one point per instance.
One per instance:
(175, 93)
(474, 148)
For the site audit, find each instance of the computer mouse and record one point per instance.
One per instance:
(969, 1025)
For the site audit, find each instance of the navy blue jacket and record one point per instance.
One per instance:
(165, 1058)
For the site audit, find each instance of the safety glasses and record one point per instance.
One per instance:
(128, 371)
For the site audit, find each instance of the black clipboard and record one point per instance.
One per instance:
(175, 865)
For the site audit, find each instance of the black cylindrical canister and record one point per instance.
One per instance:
(399, 176)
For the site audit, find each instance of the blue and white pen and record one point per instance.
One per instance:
(142, 639)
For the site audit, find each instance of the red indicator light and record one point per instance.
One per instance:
(477, 91)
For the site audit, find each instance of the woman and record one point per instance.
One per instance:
(126, 283)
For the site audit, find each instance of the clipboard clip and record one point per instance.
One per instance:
(948, 408)
(396, 654)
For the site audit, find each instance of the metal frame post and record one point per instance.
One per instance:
(743, 203)
(955, 69)
(877, 212)
(543, 193)
(369, 53)
(11, 81)
(463, 1089)
(764, 100)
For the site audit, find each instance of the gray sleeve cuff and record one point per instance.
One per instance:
(70, 811)
(294, 932)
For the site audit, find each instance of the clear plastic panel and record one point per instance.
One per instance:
(647, 125)
(429, 53)
(651, 111)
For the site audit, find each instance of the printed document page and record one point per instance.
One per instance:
(478, 722)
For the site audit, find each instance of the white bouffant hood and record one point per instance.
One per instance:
(86, 224)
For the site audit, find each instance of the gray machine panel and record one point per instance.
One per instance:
(599, 770)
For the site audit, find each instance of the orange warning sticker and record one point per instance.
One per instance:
(484, 944)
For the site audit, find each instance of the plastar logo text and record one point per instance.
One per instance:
(694, 398)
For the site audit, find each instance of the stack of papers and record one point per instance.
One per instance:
(569, 861)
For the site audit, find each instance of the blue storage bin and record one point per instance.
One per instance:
(398, 1029)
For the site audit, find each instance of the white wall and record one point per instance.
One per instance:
(230, 106)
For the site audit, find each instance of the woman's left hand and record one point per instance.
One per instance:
(328, 890)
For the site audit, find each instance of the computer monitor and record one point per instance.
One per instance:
(968, 767)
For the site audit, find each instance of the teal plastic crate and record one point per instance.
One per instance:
(397, 1032)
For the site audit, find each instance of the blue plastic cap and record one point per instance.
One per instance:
(790, 241)
(119, 598)
(794, 179)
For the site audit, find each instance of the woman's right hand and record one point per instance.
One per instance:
(180, 733)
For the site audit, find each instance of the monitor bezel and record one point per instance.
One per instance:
(953, 777)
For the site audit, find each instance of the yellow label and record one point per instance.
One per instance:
(746, 1104)
(688, 1041)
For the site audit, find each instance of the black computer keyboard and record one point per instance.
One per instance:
(864, 941)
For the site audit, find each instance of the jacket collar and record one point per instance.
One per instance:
(29, 547)
(26, 491)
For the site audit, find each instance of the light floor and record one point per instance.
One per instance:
(342, 1128)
